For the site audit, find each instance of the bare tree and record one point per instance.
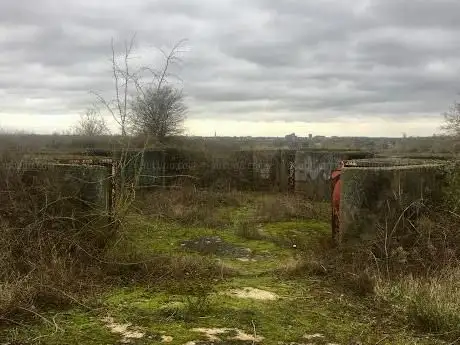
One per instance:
(135, 83)
(131, 83)
(452, 120)
(92, 123)
(159, 112)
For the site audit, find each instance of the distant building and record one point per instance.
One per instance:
(310, 136)
(291, 137)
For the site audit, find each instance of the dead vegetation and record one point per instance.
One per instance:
(410, 266)
(192, 206)
(53, 250)
(49, 233)
(54, 240)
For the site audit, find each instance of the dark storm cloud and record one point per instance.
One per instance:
(267, 59)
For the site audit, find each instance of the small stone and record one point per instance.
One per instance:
(166, 339)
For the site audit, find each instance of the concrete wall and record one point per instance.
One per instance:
(307, 172)
(241, 170)
(147, 167)
(313, 171)
(89, 185)
(375, 194)
(272, 169)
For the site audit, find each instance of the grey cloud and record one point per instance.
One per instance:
(267, 59)
(420, 13)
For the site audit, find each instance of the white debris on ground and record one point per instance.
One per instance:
(212, 334)
(123, 330)
(313, 336)
(253, 293)
(246, 260)
(166, 339)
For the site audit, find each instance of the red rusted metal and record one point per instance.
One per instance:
(336, 185)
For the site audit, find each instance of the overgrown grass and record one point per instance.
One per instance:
(50, 230)
(370, 270)
(410, 265)
(431, 304)
(145, 277)
(191, 206)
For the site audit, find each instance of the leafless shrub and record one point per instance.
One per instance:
(159, 112)
(452, 120)
(91, 124)
(49, 235)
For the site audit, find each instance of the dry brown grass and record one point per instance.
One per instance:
(431, 303)
(49, 236)
(189, 205)
(192, 206)
(282, 207)
(411, 265)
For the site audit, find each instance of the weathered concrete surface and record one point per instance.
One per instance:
(307, 172)
(375, 192)
(147, 167)
(273, 170)
(83, 190)
(267, 170)
(313, 171)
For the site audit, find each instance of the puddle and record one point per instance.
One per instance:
(216, 334)
(253, 293)
(123, 330)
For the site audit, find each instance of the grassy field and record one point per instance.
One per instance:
(231, 269)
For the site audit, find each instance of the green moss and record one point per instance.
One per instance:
(305, 306)
(302, 235)
(74, 327)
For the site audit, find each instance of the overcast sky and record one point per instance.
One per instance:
(251, 67)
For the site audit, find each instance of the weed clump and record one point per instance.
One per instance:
(431, 303)
(248, 229)
(188, 205)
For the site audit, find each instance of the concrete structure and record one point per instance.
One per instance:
(89, 185)
(374, 193)
(268, 170)
(313, 171)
